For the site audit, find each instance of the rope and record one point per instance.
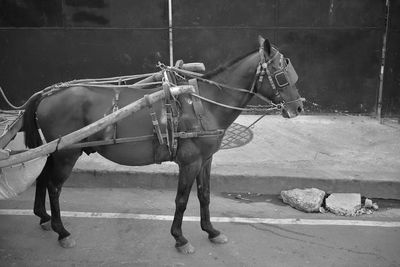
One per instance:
(8, 102)
(219, 85)
(114, 79)
(133, 86)
(198, 76)
(99, 82)
(274, 106)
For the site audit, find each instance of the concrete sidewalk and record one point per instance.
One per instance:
(332, 153)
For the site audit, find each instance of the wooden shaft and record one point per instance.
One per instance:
(194, 66)
(90, 129)
(156, 77)
(4, 154)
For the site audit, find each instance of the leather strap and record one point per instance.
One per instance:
(172, 115)
(198, 105)
(154, 120)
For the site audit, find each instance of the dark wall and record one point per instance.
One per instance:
(335, 45)
(391, 88)
(43, 42)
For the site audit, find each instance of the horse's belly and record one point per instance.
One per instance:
(130, 154)
(134, 153)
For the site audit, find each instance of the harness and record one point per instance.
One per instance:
(279, 79)
(166, 135)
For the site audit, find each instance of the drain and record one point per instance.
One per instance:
(236, 135)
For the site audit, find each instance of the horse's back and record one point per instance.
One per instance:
(68, 110)
(73, 108)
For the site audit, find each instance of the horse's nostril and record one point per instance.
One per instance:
(299, 109)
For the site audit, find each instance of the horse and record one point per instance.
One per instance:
(222, 93)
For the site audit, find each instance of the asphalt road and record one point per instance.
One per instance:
(130, 227)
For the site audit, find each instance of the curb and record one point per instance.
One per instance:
(387, 189)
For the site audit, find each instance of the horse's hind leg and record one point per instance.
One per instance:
(61, 167)
(203, 193)
(187, 174)
(39, 208)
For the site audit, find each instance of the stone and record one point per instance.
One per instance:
(322, 210)
(308, 200)
(346, 204)
(368, 203)
(363, 211)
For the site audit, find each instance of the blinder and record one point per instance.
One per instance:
(286, 75)
(281, 78)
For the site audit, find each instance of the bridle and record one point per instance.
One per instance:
(279, 79)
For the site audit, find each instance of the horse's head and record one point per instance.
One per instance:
(277, 80)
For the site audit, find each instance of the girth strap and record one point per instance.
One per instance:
(184, 135)
(168, 114)
(154, 120)
(172, 114)
(172, 121)
(198, 105)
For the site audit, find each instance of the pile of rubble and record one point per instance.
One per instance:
(316, 200)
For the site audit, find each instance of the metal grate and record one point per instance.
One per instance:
(236, 135)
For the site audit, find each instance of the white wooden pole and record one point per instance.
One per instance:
(171, 43)
(383, 61)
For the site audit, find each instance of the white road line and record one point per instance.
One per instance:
(288, 221)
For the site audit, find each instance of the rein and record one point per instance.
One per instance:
(221, 86)
(275, 106)
(283, 77)
(262, 69)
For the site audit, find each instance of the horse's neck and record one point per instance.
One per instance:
(239, 75)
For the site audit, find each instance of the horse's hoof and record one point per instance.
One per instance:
(67, 242)
(46, 226)
(186, 249)
(219, 239)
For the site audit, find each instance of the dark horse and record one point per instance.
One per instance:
(74, 107)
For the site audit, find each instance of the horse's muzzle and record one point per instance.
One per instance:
(293, 112)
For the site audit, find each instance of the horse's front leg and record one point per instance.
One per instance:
(187, 174)
(203, 193)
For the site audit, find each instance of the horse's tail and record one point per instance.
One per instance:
(32, 135)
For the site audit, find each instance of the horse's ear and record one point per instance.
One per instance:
(265, 44)
(267, 47)
(261, 40)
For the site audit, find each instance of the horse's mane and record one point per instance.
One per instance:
(223, 67)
